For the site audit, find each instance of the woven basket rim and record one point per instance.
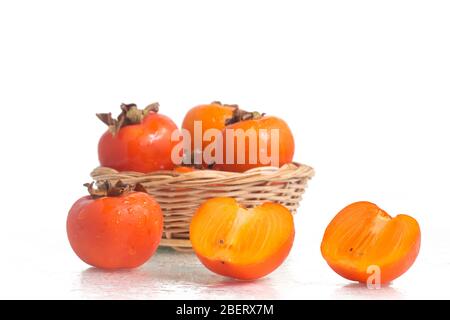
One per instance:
(285, 172)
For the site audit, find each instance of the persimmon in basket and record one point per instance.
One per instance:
(249, 142)
(210, 116)
(363, 238)
(138, 140)
(241, 243)
(253, 143)
(116, 226)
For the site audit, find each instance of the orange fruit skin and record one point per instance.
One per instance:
(238, 268)
(184, 169)
(212, 116)
(115, 232)
(143, 147)
(250, 271)
(392, 244)
(286, 144)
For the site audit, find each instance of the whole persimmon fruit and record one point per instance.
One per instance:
(241, 243)
(252, 134)
(138, 140)
(115, 227)
(363, 236)
(210, 116)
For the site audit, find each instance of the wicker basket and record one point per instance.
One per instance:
(180, 194)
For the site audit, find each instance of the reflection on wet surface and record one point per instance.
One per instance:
(174, 275)
(353, 290)
(169, 275)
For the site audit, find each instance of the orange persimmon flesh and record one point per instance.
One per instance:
(363, 235)
(241, 243)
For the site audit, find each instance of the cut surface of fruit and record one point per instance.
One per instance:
(362, 236)
(241, 243)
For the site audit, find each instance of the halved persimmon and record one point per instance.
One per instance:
(241, 243)
(363, 236)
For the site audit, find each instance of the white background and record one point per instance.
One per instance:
(364, 86)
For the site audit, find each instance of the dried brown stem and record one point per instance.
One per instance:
(107, 189)
(242, 115)
(130, 115)
(225, 105)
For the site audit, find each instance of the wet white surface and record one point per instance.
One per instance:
(52, 271)
(181, 276)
